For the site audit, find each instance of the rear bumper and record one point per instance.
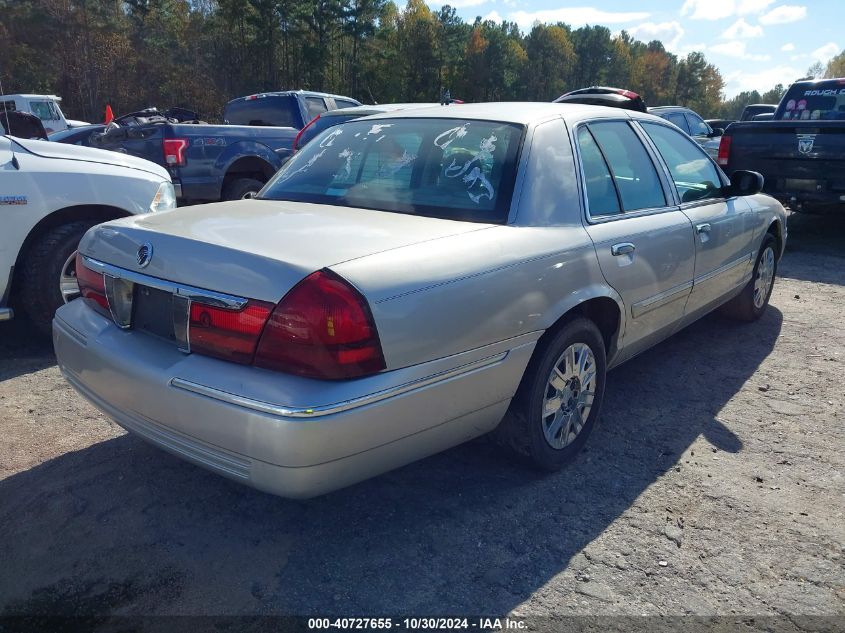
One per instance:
(283, 434)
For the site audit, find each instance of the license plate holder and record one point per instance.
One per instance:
(153, 312)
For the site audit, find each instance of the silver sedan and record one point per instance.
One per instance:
(410, 281)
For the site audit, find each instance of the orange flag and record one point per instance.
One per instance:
(109, 115)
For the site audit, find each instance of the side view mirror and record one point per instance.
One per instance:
(745, 183)
(717, 131)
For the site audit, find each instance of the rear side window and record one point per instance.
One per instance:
(601, 194)
(278, 111)
(633, 172)
(8, 106)
(694, 174)
(315, 106)
(343, 103)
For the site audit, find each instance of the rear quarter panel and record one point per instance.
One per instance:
(433, 300)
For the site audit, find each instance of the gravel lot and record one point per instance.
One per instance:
(714, 485)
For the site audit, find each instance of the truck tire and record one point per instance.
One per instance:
(238, 188)
(42, 270)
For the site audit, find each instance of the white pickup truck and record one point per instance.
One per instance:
(50, 194)
(45, 107)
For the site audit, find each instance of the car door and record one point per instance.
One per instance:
(723, 226)
(644, 243)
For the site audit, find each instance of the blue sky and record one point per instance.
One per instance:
(754, 43)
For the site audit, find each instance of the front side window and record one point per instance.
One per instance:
(694, 174)
(42, 110)
(447, 168)
(631, 167)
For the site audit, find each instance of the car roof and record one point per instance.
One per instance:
(669, 107)
(520, 112)
(282, 93)
(364, 110)
(31, 96)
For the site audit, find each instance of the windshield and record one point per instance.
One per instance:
(823, 101)
(446, 168)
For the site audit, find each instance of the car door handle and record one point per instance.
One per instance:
(702, 228)
(622, 249)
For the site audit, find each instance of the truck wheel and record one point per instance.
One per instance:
(558, 402)
(750, 304)
(238, 188)
(48, 275)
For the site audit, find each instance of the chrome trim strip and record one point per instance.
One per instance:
(200, 295)
(660, 300)
(338, 407)
(723, 269)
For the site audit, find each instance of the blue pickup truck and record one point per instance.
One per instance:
(216, 162)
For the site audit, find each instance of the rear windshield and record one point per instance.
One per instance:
(323, 123)
(281, 111)
(445, 168)
(823, 101)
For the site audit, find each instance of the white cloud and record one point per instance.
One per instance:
(670, 33)
(720, 9)
(494, 16)
(784, 14)
(736, 49)
(747, 7)
(575, 16)
(786, 48)
(708, 9)
(462, 4)
(825, 53)
(742, 30)
(761, 79)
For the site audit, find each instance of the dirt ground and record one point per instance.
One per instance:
(714, 485)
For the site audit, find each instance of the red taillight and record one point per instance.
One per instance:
(302, 131)
(174, 151)
(227, 334)
(321, 329)
(724, 150)
(92, 286)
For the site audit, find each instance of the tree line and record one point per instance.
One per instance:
(201, 53)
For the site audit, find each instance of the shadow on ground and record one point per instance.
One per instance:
(820, 241)
(22, 350)
(121, 527)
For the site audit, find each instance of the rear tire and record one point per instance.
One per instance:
(43, 268)
(559, 399)
(238, 188)
(750, 304)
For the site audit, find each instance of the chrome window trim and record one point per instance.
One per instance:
(583, 185)
(192, 293)
(286, 411)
